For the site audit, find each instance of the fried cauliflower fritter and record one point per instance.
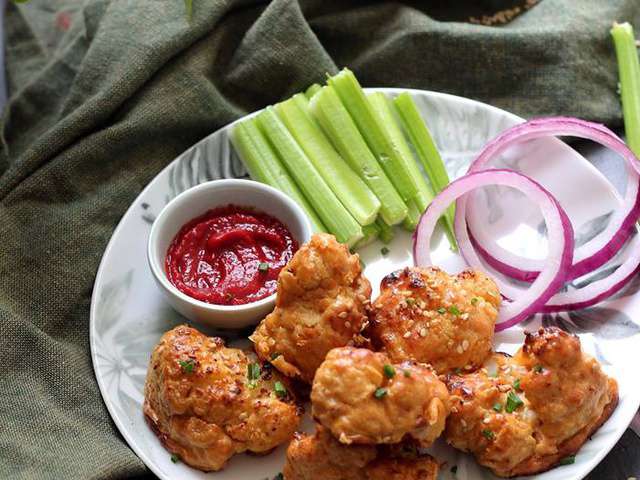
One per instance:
(321, 303)
(521, 415)
(206, 404)
(363, 399)
(320, 456)
(426, 315)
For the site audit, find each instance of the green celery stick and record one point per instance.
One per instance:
(337, 219)
(386, 231)
(383, 110)
(350, 189)
(336, 122)
(374, 132)
(387, 116)
(312, 90)
(629, 71)
(427, 152)
(302, 101)
(413, 216)
(265, 167)
(371, 233)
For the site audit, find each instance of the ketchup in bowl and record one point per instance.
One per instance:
(229, 256)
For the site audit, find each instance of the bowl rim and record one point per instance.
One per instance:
(158, 271)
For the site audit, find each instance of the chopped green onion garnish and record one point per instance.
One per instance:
(474, 300)
(253, 374)
(384, 251)
(389, 371)
(410, 301)
(538, 368)
(253, 371)
(175, 458)
(488, 434)
(407, 373)
(263, 267)
(453, 310)
(513, 402)
(516, 384)
(275, 355)
(442, 310)
(280, 389)
(497, 407)
(380, 392)
(571, 459)
(187, 366)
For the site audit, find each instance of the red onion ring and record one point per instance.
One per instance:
(587, 296)
(592, 254)
(523, 274)
(561, 244)
(601, 289)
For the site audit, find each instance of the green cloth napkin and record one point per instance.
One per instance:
(104, 94)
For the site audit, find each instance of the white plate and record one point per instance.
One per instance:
(128, 313)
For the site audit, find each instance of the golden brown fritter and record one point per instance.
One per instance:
(363, 399)
(426, 315)
(205, 406)
(321, 303)
(522, 415)
(320, 456)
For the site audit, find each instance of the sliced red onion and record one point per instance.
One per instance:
(592, 254)
(591, 294)
(599, 290)
(525, 272)
(553, 274)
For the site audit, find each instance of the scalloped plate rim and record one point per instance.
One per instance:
(98, 284)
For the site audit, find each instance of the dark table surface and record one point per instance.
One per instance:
(623, 462)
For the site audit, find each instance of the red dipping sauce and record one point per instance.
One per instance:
(229, 256)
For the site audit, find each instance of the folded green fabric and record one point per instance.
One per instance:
(104, 94)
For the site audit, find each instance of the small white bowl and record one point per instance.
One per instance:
(197, 201)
